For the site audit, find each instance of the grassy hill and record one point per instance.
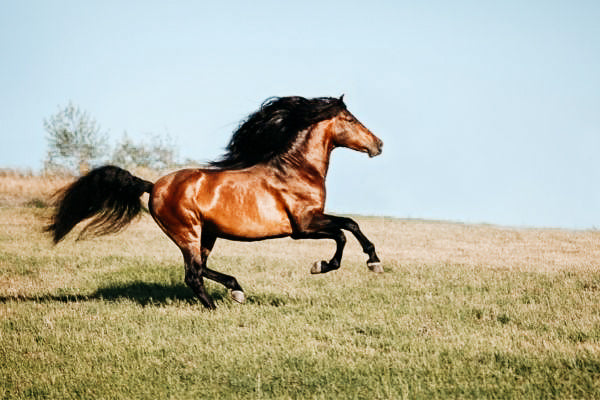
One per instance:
(462, 311)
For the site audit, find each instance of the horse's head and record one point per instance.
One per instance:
(347, 131)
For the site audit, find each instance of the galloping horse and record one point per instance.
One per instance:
(269, 184)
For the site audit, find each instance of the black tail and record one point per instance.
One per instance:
(109, 194)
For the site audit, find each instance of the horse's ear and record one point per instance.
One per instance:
(342, 99)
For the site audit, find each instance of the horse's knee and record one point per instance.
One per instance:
(351, 225)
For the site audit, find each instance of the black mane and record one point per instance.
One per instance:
(271, 132)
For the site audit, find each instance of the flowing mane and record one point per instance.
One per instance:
(271, 132)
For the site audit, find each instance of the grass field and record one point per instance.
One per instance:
(462, 311)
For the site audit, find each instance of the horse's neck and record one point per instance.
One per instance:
(316, 150)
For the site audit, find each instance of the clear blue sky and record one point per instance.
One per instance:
(489, 110)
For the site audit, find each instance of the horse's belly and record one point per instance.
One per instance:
(249, 230)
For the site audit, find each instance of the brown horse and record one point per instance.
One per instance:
(269, 184)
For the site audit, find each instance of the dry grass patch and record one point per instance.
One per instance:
(487, 246)
(24, 188)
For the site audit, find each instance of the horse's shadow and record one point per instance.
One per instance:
(145, 293)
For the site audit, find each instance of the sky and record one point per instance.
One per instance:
(489, 110)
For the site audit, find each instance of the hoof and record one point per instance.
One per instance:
(375, 267)
(317, 267)
(239, 296)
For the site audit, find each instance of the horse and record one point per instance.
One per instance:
(270, 183)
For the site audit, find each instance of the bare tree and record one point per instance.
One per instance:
(75, 141)
(158, 153)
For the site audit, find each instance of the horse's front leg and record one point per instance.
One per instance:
(206, 244)
(320, 267)
(368, 247)
(329, 226)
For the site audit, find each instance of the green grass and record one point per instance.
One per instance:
(111, 318)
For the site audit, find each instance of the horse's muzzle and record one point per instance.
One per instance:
(376, 149)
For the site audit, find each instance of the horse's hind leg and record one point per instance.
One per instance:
(207, 243)
(237, 293)
(193, 278)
